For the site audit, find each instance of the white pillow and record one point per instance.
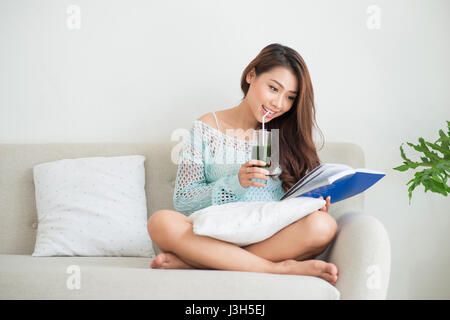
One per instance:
(92, 207)
(244, 223)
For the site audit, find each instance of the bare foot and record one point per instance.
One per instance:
(169, 260)
(316, 268)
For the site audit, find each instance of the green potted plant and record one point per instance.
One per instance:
(434, 177)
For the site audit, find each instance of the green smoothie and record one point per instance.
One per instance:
(262, 153)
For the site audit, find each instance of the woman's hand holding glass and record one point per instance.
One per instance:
(248, 171)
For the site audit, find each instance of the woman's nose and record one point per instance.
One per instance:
(277, 104)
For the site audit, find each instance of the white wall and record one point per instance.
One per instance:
(137, 70)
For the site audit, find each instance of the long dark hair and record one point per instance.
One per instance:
(297, 149)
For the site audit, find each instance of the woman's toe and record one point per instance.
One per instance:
(331, 269)
(328, 277)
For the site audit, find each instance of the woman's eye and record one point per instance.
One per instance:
(271, 87)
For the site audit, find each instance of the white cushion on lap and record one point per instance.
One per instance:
(244, 223)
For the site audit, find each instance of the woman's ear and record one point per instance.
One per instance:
(251, 75)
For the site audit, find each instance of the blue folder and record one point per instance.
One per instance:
(344, 187)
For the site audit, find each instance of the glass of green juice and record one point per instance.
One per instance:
(261, 149)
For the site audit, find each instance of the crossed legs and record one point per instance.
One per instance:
(284, 252)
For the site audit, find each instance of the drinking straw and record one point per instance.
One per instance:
(263, 118)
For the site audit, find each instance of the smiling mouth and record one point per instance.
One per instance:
(267, 110)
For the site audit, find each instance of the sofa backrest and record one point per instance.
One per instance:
(18, 216)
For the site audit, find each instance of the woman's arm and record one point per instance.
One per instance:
(192, 192)
(198, 194)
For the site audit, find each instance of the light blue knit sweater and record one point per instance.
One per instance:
(208, 171)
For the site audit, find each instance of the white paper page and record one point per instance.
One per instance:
(332, 172)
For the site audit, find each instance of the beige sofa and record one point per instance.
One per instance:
(361, 249)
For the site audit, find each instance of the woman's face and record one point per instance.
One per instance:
(274, 90)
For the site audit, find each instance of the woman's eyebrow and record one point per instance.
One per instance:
(282, 85)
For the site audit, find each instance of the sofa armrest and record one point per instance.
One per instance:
(362, 253)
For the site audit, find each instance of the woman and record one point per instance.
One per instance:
(278, 81)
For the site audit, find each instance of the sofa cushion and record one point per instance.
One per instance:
(94, 206)
(27, 277)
